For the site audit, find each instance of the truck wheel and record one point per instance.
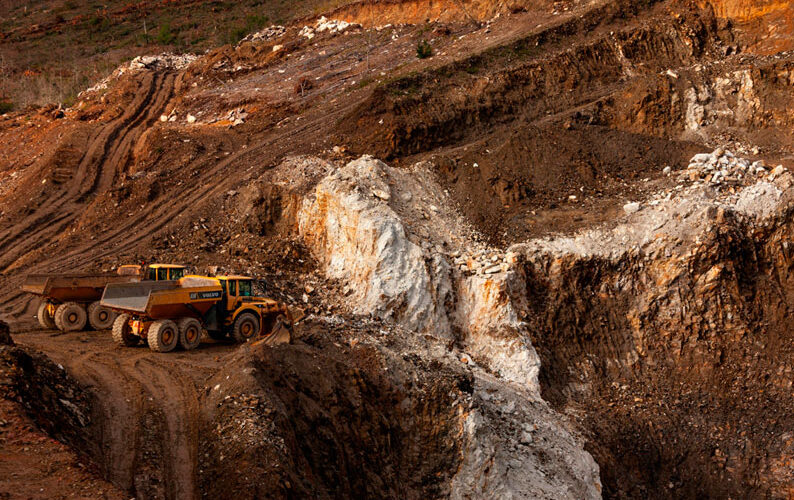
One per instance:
(45, 318)
(246, 327)
(122, 333)
(163, 336)
(70, 317)
(100, 318)
(189, 333)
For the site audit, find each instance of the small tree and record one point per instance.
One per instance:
(423, 50)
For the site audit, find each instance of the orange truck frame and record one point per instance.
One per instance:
(70, 302)
(165, 314)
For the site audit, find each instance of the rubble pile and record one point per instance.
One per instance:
(164, 61)
(264, 35)
(719, 175)
(332, 26)
(721, 168)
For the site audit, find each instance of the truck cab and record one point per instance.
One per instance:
(239, 298)
(154, 272)
(236, 290)
(163, 272)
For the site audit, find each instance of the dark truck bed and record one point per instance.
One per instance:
(72, 287)
(134, 297)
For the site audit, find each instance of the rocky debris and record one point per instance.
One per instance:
(721, 168)
(237, 116)
(165, 61)
(332, 26)
(264, 35)
(714, 183)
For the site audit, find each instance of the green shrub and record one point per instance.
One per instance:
(423, 50)
(255, 22)
(165, 36)
(6, 106)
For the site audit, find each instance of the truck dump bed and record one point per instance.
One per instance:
(164, 299)
(72, 287)
(133, 297)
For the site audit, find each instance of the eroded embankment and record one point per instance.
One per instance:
(668, 339)
(571, 64)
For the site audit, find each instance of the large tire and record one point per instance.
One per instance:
(100, 318)
(189, 333)
(163, 336)
(45, 318)
(70, 317)
(122, 333)
(246, 327)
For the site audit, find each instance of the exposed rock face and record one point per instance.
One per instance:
(55, 401)
(426, 425)
(660, 328)
(355, 223)
(359, 238)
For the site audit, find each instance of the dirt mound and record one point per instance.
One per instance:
(536, 180)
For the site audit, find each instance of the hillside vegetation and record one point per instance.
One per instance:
(50, 50)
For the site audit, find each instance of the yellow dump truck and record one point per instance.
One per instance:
(71, 301)
(169, 313)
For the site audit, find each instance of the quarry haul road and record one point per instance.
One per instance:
(148, 406)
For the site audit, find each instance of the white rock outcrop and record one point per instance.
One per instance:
(355, 222)
(359, 238)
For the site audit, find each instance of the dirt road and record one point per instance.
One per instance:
(149, 406)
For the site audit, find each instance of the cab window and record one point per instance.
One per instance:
(233, 288)
(162, 274)
(152, 274)
(245, 288)
(177, 274)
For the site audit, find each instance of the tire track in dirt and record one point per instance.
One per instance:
(107, 152)
(99, 138)
(211, 183)
(129, 384)
(122, 404)
(179, 401)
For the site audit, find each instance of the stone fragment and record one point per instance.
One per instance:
(632, 207)
(381, 194)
